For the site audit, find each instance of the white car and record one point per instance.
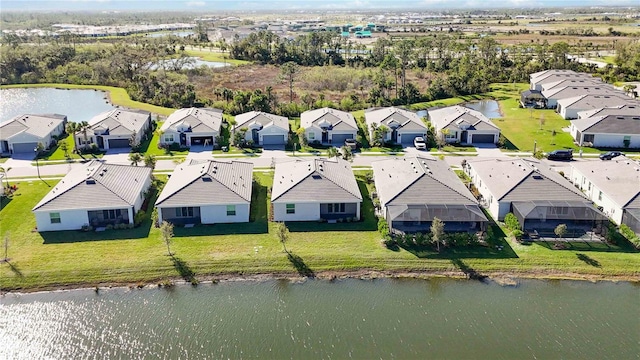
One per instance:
(419, 143)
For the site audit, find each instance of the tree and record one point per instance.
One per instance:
(379, 133)
(283, 235)
(82, 127)
(437, 231)
(560, 230)
(135, 158)
(133, 141)
(347, 154)
(72, 130)
(333, 152)
(154, 217)
(288, 72)
(4, 172)
(166, 229)
(302, 136)
(511, 221)
(65, 148)
(150, 161)
(442, 139)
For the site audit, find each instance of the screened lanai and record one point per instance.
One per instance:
(418, 218)
(631, 218)
(543, 216)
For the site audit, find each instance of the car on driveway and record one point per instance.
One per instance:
(610, 155)
(419, 143)
(563, 154)
(352, 143)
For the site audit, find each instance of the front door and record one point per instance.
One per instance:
(183, 139)
(100, 141)
(325, 136)
(394, 135)
(463, 137)
(255, 136)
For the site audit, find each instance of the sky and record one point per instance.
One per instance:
(292, 5)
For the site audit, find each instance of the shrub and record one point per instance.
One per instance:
(139, 217)
(383, 227)
(511, 222)
(630, 235)
(109, 227)
(518, 234)
(87, 227)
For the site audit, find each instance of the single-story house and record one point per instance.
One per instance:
(626, 109)
(413, 191)
(569, 108)
(572, 82)
(614, 185)
(116, 129)
(23, 133)
(538, 196)
(404, 125)
(551, 76)
(532, 99)
(558, 93)
(95, 194)
(614, 131)
(328, 126)
(207, 192)
(315, 189)
(263, 128)
(464, 125)
(192, 126)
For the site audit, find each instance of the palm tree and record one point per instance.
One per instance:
(72, 129)
(333, 152)
(4, 171)
(135, 158)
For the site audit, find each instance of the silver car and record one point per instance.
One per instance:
(419, 143)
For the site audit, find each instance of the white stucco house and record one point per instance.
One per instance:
(464, 125)
(627, 109)
(115, 129)
(263, 128)
(614, 185)
(537, 195)
(328, 126)
(404, 125)
(207, 192)
(315, 189)
(22, 134)
(613, 131)
(569, 108)
(559, 93)
(192, 126)
(96, 194)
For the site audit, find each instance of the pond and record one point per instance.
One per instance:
(195, 63)
(362, 319)
(77, 105)
(489, 108)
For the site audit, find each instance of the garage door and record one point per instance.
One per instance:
(338, 139)
(407, 139)
(273, 140)
(482, 138)
(24, 147)
(118, 143)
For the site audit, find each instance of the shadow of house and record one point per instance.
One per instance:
(74, 236)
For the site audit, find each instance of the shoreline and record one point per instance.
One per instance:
(498, 277)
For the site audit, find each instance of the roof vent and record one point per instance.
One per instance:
(90, 182)
(537, 177)
(316, 177)
(206, 179)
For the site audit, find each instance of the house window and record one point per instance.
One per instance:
(291, 208)
(55, 218)
(312, 136)
(336, 208)
(600, 196)
(112, 214)
(231, 210)
(168, 138)
(184, 212)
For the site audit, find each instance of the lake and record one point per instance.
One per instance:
(361, 319)
(489, 108)
(78, 105)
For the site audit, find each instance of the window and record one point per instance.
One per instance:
(312, 136)
(291, 208)
(336, 208)
(55, 218)
(111, 214)
(184, 212)
(231, 210)
(600, 196)
(168, 138)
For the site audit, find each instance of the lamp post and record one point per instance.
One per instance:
(37, 164)
(535, 145)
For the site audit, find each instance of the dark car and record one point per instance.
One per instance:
(610, 155)
(564, 154)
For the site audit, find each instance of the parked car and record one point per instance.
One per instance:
(352, 143)
(610, 155)
(419, 143)
(564, 154)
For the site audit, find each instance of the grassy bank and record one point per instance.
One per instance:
(117, 96)
(215, 56)
(74, 258)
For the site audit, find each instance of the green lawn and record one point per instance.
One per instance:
(216, 57)
(118, 96)
(138, 255)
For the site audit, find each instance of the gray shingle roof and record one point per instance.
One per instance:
(537, 76)
(37, 125)
(387, 115)
(418, 180)
(332, 116)
(315, 180)
(121, 121)
(596, 101)
(571, 82)
(551, 78)
(198, 119)
(96, 185)
(210, 182)
(456, 115)
(573, 91)
(611, 124)
(627, 109)
(523, 180)
(262, 118)
(619, 178)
